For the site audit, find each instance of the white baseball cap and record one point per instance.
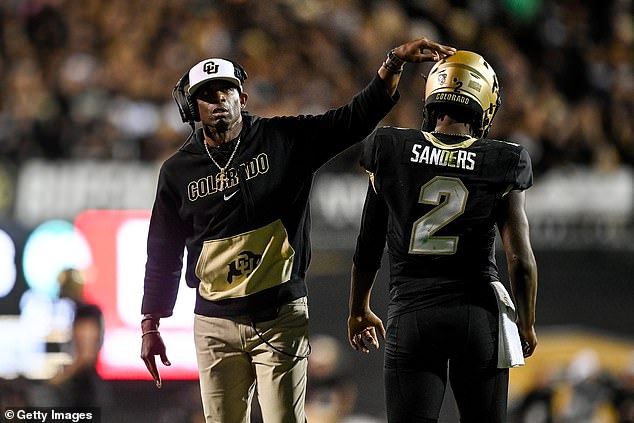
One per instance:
(210, 69)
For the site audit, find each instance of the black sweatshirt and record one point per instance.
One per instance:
(248, 245)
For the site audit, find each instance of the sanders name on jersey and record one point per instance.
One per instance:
(460, 159)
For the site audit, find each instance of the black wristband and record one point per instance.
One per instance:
(395, 60)
(393, 63)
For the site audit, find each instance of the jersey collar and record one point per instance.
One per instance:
(437, 143)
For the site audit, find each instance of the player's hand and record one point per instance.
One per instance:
(152, 345)
(362, 331)
(528, 338)
(423, 50)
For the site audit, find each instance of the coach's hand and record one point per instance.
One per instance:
(415, 51)
(152, 345)
(363, 328)
(423, 50)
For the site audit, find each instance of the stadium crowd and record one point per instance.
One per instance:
(93, 79)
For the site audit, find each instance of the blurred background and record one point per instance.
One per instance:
(86, 119)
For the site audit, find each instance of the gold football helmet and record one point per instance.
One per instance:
(467, 81)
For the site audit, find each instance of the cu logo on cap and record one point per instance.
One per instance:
(210, 67)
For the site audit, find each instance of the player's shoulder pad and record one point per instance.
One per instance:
(503, 142)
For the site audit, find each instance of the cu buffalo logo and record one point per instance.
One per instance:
(210, 67)
(243, 265)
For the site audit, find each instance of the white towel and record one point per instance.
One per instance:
(509, 346)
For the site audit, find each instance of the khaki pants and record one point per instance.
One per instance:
(232, 359)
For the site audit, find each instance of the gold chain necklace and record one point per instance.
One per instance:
(445, 133)
(222, 179)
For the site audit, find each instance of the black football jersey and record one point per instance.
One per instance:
(435, 198)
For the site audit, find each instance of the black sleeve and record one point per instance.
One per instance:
(321, 137)
(522, 177)
(165, 247)
(368, 154)
(371, 239)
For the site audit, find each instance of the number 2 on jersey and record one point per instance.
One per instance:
(449, 195)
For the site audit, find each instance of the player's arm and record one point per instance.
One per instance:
(522, 267)
(415, 51)
(363, 324)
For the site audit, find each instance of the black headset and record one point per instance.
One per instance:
(187, 107)
(186, 103)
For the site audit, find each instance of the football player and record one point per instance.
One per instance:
(436, 196)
